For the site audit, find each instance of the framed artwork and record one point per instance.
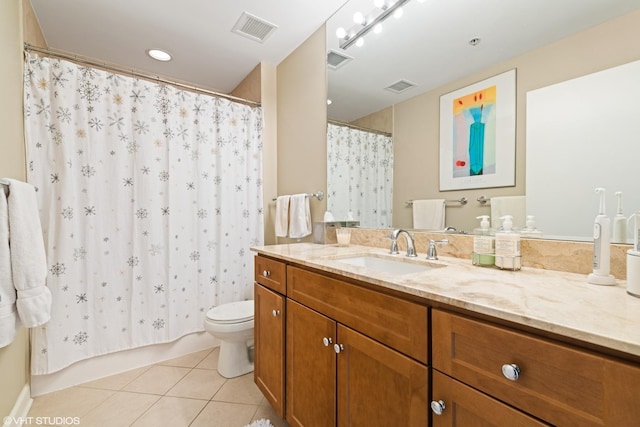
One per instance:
(478, 134)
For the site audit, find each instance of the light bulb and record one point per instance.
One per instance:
(398, 13)
(358, 18)
(360, 42)
(377, 28)
(329, 102)
(159, 55)
(341, 32)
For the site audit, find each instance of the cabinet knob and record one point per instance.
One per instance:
(266, 273)
(437, 407)
(338, 348)
(327, 341)
(275, 313)
(511, 371)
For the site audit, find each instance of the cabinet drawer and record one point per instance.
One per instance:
(390, 320)
(271, 273)
(557, 383)
(465, 406)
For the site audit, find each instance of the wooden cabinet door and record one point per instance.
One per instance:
(378, 386)
(269, 341)
(463, 406)
(311, 367)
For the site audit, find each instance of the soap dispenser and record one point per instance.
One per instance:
(601, 248)
(483, 243)
(508, 246)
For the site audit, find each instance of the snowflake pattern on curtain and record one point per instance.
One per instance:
(360, 175)
(149, 196)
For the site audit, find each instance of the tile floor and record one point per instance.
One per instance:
(187, 391)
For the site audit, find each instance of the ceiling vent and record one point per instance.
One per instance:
(253, 27)
(400, 86)
(337, 59)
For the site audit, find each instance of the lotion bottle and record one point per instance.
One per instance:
(619, 223)
(530, 230)
(508, 246)
(601, 249)
(483, 243)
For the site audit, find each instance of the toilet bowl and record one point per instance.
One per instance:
(232, 324)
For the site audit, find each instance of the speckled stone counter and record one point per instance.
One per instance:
(556, 302)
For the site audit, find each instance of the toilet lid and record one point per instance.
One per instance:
(233, 312)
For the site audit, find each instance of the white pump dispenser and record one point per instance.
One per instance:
(530, 229)
(508, 246)
(619, 223)
(601, 249)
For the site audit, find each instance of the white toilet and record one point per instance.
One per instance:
(232, 324)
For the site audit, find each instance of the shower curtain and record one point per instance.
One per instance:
(149, 196)
(360, 175)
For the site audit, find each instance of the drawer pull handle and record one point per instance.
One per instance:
(511, 371)
(266, 273)
(338, 348)
(327, 341)
(437, 407)
(275, 313)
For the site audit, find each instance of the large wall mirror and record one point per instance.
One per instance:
(429, 47)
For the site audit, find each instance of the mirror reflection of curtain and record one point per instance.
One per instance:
(360, 175)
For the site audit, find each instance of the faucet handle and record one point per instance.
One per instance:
(432, 253)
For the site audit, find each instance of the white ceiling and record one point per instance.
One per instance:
(432, 48)
(196, 32)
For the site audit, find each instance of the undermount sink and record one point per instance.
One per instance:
(388, 265)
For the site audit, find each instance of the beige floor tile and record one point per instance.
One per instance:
(266, 411)
(240, 390)
(157, 380)
(70, 402)
(222, 414)
(121, 409)
(187, 361)
(198, 384)
(116, 382)
(171, 411)
(211, 361)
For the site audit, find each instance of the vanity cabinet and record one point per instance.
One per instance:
(554, 382)
(269, 331)
(351, 358)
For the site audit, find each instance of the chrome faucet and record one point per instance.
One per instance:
(432, 254)
(411, 249)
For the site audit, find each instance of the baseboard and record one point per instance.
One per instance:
(121, 361)
(20, 410)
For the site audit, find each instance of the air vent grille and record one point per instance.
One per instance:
(253, 27)
(400, 86)
(337, 59)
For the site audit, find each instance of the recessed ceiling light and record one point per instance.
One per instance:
(159, 55)
(474, 41)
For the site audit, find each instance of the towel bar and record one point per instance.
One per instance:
(319, 195)
(463, 201)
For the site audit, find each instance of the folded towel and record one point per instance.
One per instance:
(300, 216)
(428, 214)
(282, 216)
(509, 205)
(8, 316)
(28, 260)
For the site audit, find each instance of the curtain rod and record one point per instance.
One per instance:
(143, 75)
(379, 132)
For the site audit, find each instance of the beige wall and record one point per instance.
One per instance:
(380, 120)
(302, 123)
(269, 148)
(250, 86)
(416, 121)
(15, 357)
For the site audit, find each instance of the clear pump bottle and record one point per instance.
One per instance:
(508, 246)
(483, 243)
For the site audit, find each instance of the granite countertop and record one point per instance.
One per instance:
(557, 302)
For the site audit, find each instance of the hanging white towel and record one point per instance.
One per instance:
(282, 216)
(300, 216)
(28, 260)
(508, 205)
(8, 317)
(428, 214)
